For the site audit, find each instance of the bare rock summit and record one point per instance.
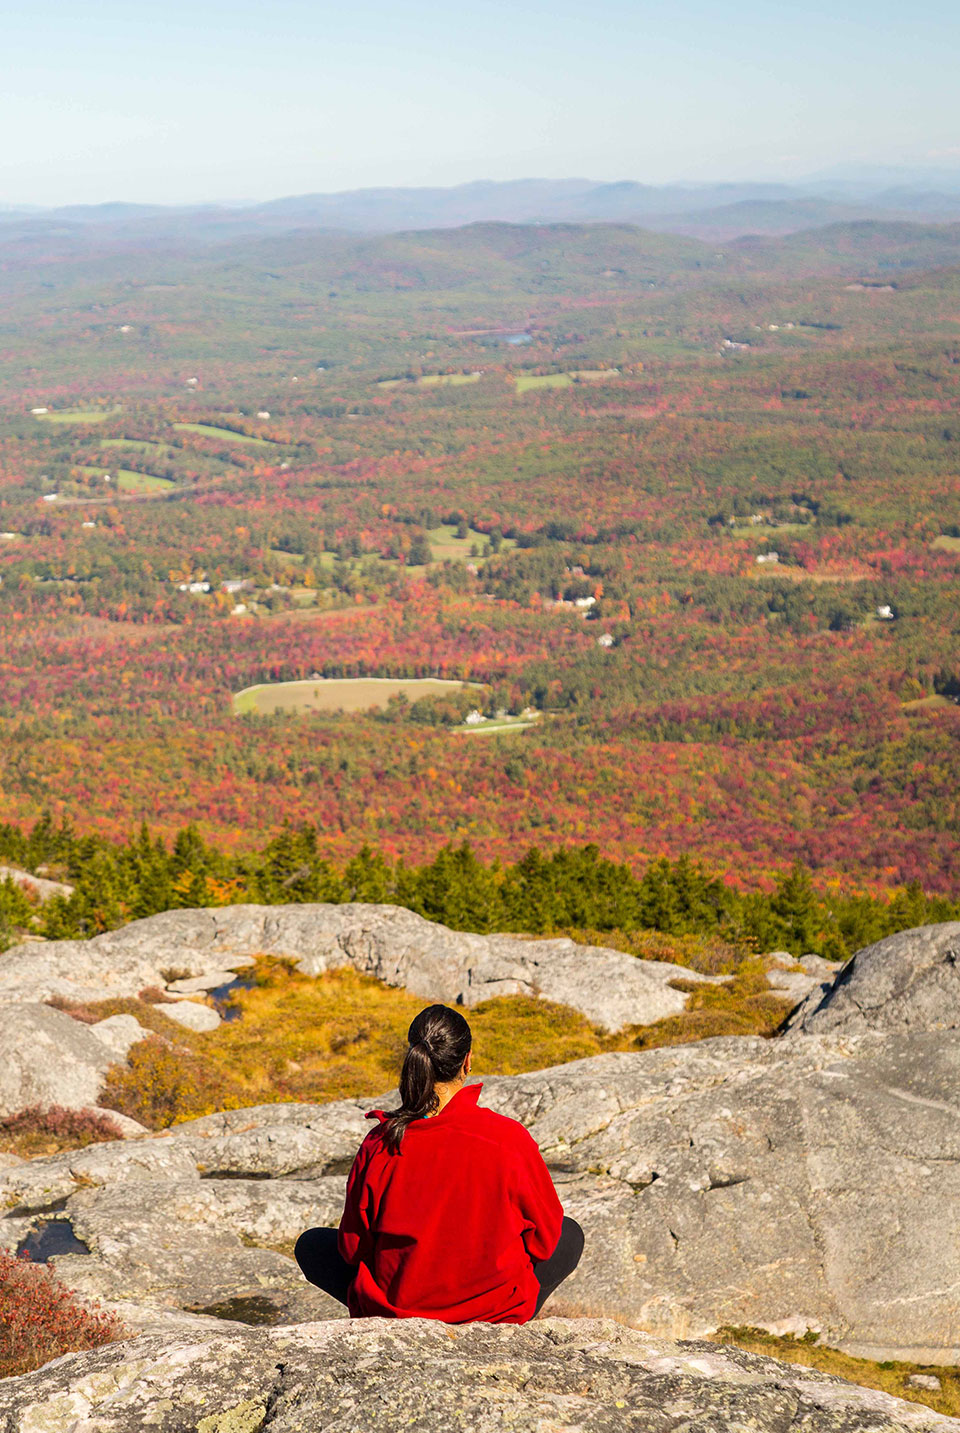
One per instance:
(379, 1374)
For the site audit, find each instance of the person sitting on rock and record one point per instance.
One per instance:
(450, 1212)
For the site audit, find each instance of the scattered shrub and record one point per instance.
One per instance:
(41, 1320)
(162, 1083)
(41, 1130)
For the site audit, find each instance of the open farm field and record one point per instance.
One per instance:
(129, 480)
(207, 430)
(588, 555)
(75, 415)
(331, 694)
(527, 382)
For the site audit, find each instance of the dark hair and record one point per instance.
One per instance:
(440, 1041)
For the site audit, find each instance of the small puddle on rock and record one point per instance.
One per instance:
(252, 1310)
(222, 993)
(48, 1240)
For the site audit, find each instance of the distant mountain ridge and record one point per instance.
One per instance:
(711, 211)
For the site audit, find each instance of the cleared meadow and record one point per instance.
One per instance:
(77, 415)
(207, 430)
(528, 381)
(331, 694)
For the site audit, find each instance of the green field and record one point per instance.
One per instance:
(77, 415)
(947, 544)
(130, 481)
(134, 482)
(430, 380)
(206, 430)
(594, 375)
(451, 379)
(446, 546)
(331, 694)
(527, 381)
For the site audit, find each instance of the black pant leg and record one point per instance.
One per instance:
(322, 1263)
(550, 1273)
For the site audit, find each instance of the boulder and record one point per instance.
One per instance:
(119, 1033)
(199, 984)
(191, 1015)
(909, 981)
(388, 942)
(553, 1374)
(46, 1058)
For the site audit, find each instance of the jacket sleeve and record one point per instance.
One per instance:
(539, 1205)
(355, 1239)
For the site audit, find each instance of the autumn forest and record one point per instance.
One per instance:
(682, 521)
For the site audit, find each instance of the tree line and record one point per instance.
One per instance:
(572, 889)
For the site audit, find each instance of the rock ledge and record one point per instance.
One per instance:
(565, 1376)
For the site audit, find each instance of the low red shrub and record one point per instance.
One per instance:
(44, 1129)
(41, 1320)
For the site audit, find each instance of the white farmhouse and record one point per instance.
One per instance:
(885, 612)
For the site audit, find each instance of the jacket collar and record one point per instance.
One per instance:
(465, 1099)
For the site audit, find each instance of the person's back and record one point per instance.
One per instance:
(450, 1210)
(449, 1225)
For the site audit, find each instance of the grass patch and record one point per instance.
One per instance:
(445, 546)
(78, 415)
(889, 1377)
(744, 1005)
(453, 380)
(764, 530)
(131, 481)
(946, 544)
(206, 430)
(343, 1034)
(528, 381)
(348, 694)
(128, 480)
(315, 1039)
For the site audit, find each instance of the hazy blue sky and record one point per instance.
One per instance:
(203, 99)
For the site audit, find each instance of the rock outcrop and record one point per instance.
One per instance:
(793, 1184)
(388, 942)
(796, 1184)
(48, 1058)
(909, 981)
(557, 1375)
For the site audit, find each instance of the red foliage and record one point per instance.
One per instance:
(41, 1320)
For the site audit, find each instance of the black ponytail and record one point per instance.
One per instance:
(440, 1041)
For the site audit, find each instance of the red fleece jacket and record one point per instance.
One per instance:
(449, 1226)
